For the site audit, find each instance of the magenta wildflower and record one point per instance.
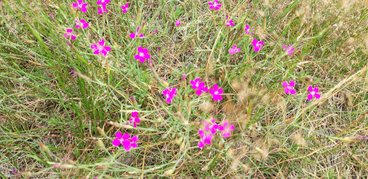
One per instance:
(289, 49)
(177, 23)
(81, 24)
(125, 8)
(142, 55)
(69, 34)
(225, 128)
(257, 45)
(135, 34)
(247, 29)
(102, 6)
(199, 86)
(102, 9)
(289, 87)
(210, 129)
(100, 48)
(230, 23)
(207, 133)
(79, 4)
(211, 126)
(169, 94)
(234, 50)
(102, 2)
(216, 92)
(127, 141)
(313, 93)
(205, 139)
(214, 5)
(134, 119)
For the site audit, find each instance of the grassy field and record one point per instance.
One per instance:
(61, 105)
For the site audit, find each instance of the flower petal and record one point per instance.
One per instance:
(126, 136)
(119, 135)
(116, 142)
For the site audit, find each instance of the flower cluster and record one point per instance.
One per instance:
(125, 140)
(135, 34)
(79, 23)
(169, 94)
(69, 34)
(257, 44)
(289, 89)
(199, 86)
(209, 130)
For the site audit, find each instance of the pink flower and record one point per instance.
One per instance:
(199, 86)
(313, 93)
(79, 4)
(207, 133)
(125, 8)
(247, 29)
(211, 126)
(135, 34)
(69, 34)
(234, 49)
(102, 2)
(81, 24)
(289, 87)
(225, 128)
(102, 9)
(289, 49)
(230, 23)
(257, 45)
(102, 6)
(214, 5)
(205, 139)
(177, 23)
(184, 77)
(100, 48)
(210, 129)
(216, 92)
(125, 140)
(142, 55)
(155, 31)
(169, 94)
(134, 119)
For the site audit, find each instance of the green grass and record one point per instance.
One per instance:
(50, 118)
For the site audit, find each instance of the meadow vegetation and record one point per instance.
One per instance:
(61, 105)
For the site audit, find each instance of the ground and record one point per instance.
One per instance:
(61, 105)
